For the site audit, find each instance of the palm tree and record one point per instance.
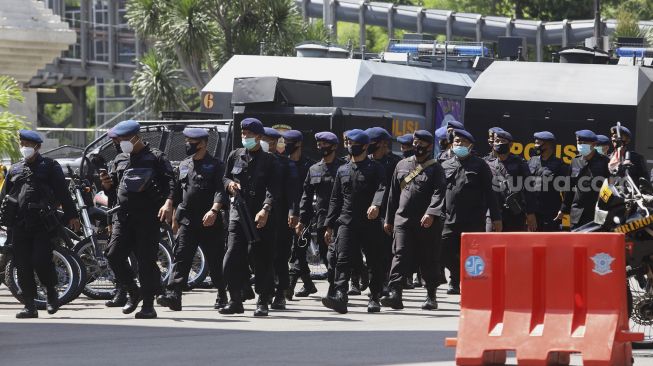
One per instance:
(156, 84)
(9, 123)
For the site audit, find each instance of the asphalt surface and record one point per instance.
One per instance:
(87, 333)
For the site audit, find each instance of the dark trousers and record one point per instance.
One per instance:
(416, 247)
(351, 239)
(512, 222)
(545, 223)
(236, 259)
(299, 264)
(451, 245)
(284, 243)
(388, 252)
(189, 237)
(139, 233)
(33, 253)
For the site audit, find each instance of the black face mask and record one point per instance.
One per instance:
(501, 148)
(325, 150)
(408, 153)
(191, 149)
(371, 149)
(536, 150)
(290, 148)
(355, 150)
(421, 151)
(117, 147)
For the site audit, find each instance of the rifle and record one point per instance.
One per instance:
(249, 227)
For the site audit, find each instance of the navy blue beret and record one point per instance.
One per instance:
(292, 136)
(29, 135)
(271, 133)
(504, 135)
(378, 134)
(195, 133)
(327, 136)
(495, 129)
(358, 136)
(586, 135)
(424, 135)
(252, 125)
(441, 133)
(455, 124)
(406, 139)
(603, 140)
(464, 134)
(126, 128)
(111, 134)
(624, 130)
(544, 136)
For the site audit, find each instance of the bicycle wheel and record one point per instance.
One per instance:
(640, 307)
(100, 284)
(68, 279)
(198, 270)
(164, 260)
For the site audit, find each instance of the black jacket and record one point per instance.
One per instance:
(319, 184)
(198, 187)
(580, 201)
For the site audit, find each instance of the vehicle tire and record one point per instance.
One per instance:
(68, 284)
(198, 270)
(100, 283)
(640, 308)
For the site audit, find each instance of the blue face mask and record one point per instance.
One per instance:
(460, 151)
(599, 149)
(584, 149)
(249, 143)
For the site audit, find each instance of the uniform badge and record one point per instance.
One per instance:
(474, 265)
(602, 263)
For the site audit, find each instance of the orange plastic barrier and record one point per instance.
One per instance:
(545, 296)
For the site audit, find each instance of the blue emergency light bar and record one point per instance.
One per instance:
(459, 50)
(633, 51)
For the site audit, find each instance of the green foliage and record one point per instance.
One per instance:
(9, 123)
(156, 83)
(628, 26)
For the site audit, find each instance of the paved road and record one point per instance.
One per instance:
(87, 333)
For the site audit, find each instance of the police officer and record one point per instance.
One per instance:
(510, 173)
(200, 196)
(358, 193)
(469, 196)
(142, 180)
(545, 168)
(33, 188)
(603, 144)
(406, 145)
(250, 172)
(415, 216)
(319, 184)
(587, 172)
(451, 125)
(490, 140)
(443, 144)
(625, 154)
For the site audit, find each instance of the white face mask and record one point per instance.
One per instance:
(127, 146)
(265, 146)
(27, 152)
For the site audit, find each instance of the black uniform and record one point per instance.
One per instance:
(469, 196)
(141, 184)
(199, 185)
(255, 172)
(581, 200)
(636, 170)
(547, 198)
(38, 186)
(298, 263)
(319, 184)
(445, 155)
(415, 246)
(389, 163)
(357, 187)
(509, 180)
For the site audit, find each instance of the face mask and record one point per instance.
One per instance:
(371, 149)
(191, 149)
(408, 153)
(599, 149)
(265, 146)
(460, 151)
(291, 147)
(325, 151)
(420, 151)
(501, 148)
(355, 150)
(126, 146)
(249, 143)
(536, 150)
(27, 152)
(584, 149)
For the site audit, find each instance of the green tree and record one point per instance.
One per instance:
(156, 83)
(9, 123)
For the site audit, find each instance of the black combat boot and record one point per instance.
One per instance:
(29, 311)
(291, 288)
(408, 284)
(133, 298)
(394, 299)
(235, 305)
(221, 300)
(338, 302)
(355, 288)
(147, 311)
(308, 288)
(374, 306)
(279, 302)
(454, 288)
(171, 300)
(52, 304)
(119, 298)
(262, 305)
(418, 280)
(431, 303)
